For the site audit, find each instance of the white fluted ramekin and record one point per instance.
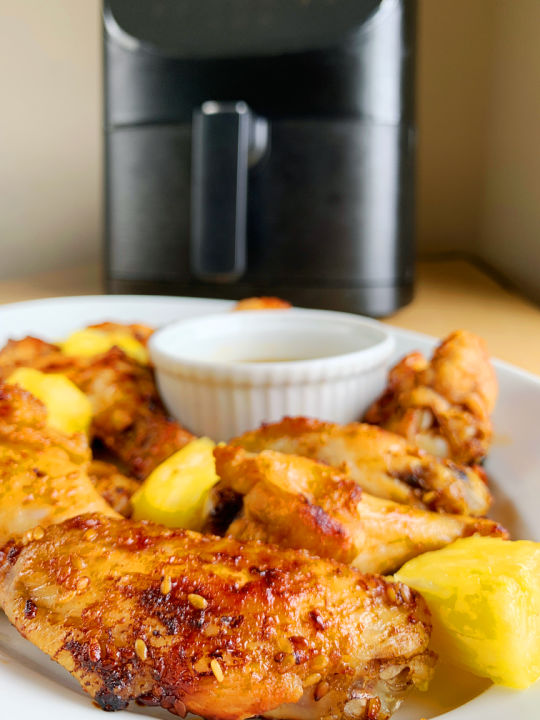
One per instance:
(220, 375)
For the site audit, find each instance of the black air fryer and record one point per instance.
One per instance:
(261, 147)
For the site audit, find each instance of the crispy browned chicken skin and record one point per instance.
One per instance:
(443, 405)
(296, 502)
(382, 463)
(129, 417)
(207, 625)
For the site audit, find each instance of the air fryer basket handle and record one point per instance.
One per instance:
(227, 138)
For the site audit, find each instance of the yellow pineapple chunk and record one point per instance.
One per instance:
(92, 341)
(484, 596)
(68, 409)
(174, 494)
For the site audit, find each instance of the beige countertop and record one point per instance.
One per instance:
(449, 295)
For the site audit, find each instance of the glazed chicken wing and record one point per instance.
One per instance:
(444, 405)
(213, 627)
(139, 332)
(34, 353)
(382, 463)
(299, 503)
(262, 303)
(43, 473)
(47, 357)
(129, 417)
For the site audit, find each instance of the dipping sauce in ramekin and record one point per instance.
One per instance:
(220, 375)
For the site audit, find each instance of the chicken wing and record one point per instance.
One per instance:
(129, 417)
(444, 405)
(262, 303)
(210, 626)
(382, 463)
(34, 353)
(43, 473)
(296, 502)
(139, 332)
(47, 357)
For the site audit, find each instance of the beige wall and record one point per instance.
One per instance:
(479, 134)
(509, 237)
(50, 151)
(478, 162)
(454, 55)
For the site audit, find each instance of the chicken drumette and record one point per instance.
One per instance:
(443, 405)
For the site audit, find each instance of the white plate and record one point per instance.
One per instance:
(31, 685)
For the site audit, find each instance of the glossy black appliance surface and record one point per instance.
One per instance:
(261, 147)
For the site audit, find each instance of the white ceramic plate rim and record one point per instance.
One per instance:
(30, 683)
